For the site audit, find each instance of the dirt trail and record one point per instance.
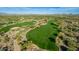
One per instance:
(16, 46)
(21, 37)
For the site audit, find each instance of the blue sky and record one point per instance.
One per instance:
(40, 10)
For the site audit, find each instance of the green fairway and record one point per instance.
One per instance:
(44, 36)
(7, 28)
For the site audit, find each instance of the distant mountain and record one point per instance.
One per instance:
(1, 13)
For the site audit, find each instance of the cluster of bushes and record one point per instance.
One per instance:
(70, 30)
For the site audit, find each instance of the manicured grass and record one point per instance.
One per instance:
(44, 36)
(7, 28)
